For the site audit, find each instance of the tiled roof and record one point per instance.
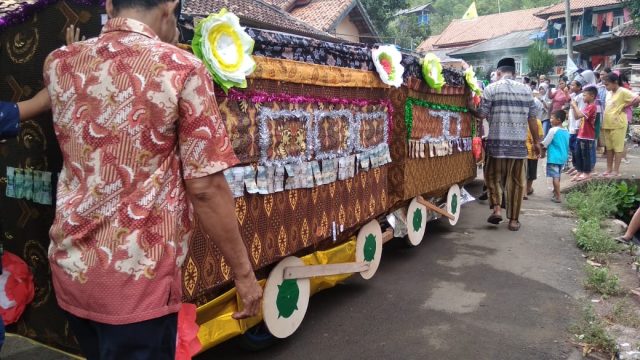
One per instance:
(626, 30)
(575, 5)
(255, 13)
(466, 32)
(427, 45)
(322, 14)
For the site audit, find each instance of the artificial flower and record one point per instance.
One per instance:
(472, 80)
(432, 71)
(387, 60)
(17, 289)
(225, 48)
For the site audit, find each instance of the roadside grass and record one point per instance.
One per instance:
(590, 332)
(594, 201)
(591, 238)
(623, 312)
(602, 281)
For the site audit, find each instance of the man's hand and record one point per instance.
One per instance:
(72, 35)
(250, 294)
(212, 199)
(537, 150)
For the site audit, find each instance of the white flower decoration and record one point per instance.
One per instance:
(387, 60)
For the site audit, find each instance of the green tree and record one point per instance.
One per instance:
(634, 6)
(381, 12)
(541, 61)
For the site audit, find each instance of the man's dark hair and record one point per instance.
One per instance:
(534, 84)
(527, 80)
(564, 78)
(591, 90)
(560, 115)
(141, 4)
(578, 83)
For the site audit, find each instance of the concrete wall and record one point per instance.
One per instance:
(347, 30)
(489, 60)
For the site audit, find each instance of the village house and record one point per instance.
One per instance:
(482, 41)
(595, 42)
(344, 19)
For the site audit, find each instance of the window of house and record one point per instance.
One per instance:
(618, 20)
(576, 27)
(518, 66)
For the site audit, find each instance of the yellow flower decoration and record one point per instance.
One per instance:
(472, 80)
(225, 48)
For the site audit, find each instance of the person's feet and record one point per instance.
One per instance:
(514, 225)
(626, 161)
(556, 199)
(583, 177)
(495, 218)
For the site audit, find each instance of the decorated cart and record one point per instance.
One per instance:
(337, 142)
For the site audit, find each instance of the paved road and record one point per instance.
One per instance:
(473, 291)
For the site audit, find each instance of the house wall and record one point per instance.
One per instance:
(487, 61)
(588, 30)
(347, 30)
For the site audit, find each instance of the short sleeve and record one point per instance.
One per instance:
(627, 96)
(533, 110)
(590, 113)
(485, 104)
(9, 120)
(205, 148)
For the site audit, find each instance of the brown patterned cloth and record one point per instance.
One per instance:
(25, 231)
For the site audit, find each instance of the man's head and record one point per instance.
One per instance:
(506, 66)
(590, 93)
(558, 117)
(160, 15)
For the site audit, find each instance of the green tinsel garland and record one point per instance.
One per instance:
(408, 110)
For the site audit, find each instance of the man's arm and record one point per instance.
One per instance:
(533, 127)
(214, 206)
(35, 106)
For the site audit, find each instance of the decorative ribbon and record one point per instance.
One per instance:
(408, 110)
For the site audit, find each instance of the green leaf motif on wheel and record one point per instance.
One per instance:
(369, 247)
(287, 300)
(417, 220)
(454, 204)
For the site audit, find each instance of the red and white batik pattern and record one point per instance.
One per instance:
(134, 117)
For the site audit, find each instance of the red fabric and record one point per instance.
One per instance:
(610, 19)
(477, 148)
(18, 287)
(141, 120)
(587, 128)
(600, 21)
(188, 344)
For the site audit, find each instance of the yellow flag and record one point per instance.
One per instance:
(471, 13)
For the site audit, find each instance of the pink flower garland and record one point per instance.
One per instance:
(263, 97)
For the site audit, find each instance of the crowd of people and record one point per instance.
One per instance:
(526, 120)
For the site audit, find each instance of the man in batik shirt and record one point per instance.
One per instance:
(510, 109)
(140, 135)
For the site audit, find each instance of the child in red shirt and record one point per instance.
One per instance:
(586, 133)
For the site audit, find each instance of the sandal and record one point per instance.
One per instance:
(514, 226)
(495, 219)
(621, 239)
(556, 200)
(530, 192)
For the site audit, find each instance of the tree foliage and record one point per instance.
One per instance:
(402, 30)
(634, 7)
(541, 61)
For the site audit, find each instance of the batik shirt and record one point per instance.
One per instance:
(134, 117)
(508, 105)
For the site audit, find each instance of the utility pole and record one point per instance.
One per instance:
(568, 28)
(499, 7)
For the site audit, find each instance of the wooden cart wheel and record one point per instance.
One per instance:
(285, 302)
(416, 222)
(453, 203)
(369, 247)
